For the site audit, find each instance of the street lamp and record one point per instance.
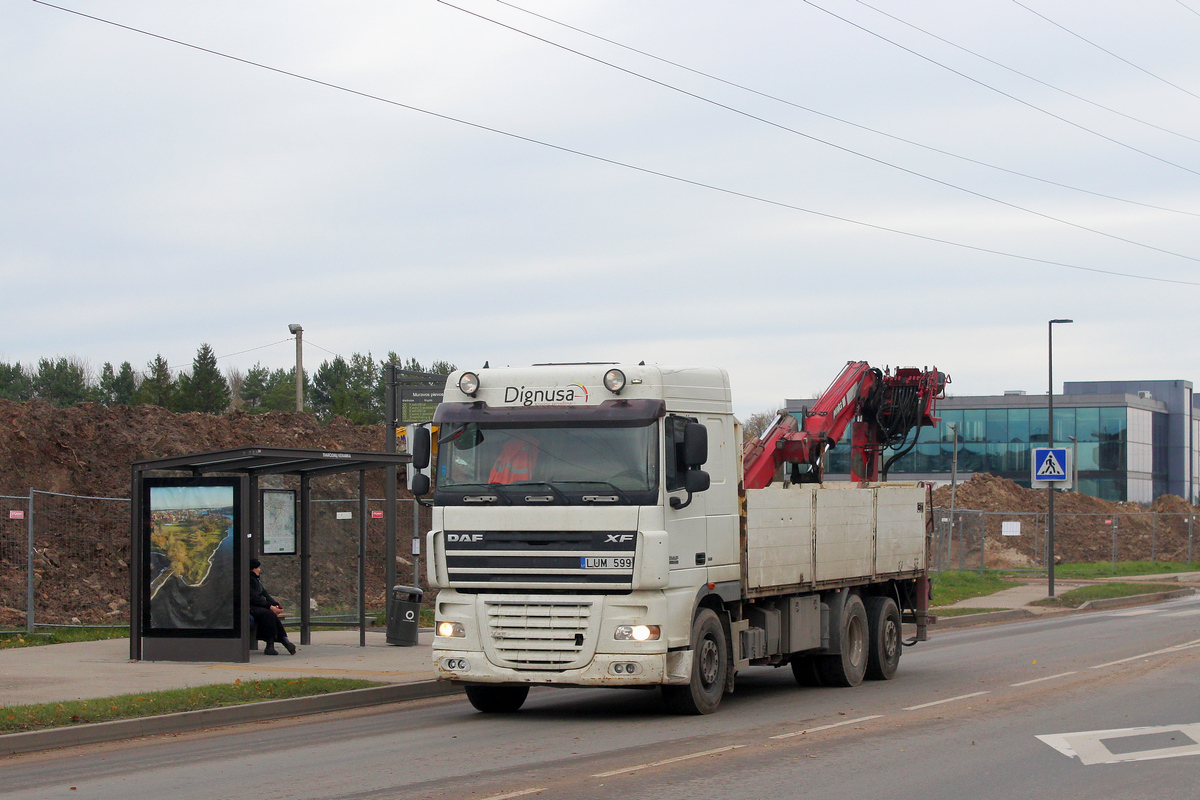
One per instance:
(298, 332)
(1050, 437)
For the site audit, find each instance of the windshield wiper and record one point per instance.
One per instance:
(590, 499)
(547, 484)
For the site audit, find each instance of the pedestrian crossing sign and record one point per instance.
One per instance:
(1051, 466)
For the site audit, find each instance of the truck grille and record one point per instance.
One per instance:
(540, 635)
(601, 560)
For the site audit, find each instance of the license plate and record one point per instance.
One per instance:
(595, 563)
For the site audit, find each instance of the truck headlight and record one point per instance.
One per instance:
(451, 630)
(636, 633)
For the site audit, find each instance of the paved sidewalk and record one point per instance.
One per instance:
(1016, 597)
(83, 670)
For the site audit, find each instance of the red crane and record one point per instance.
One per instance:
(884, 407)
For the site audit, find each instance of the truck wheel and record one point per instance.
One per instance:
(883, 626)
(710, 666)
(496, 699)
(848, 667)
(804, 670)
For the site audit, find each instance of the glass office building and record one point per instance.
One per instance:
(1132, 440)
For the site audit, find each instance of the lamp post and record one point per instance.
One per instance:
(1050, 437)
(298, 332)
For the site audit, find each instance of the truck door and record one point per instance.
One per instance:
(687, 527)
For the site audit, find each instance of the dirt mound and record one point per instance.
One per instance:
(1086, 529)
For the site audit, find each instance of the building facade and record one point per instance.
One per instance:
(1131, 440)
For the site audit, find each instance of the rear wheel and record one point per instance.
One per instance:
(883, 626)
(496, 699)
(848, 667)
(710, 668)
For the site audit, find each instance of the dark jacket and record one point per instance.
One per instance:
(258, 595)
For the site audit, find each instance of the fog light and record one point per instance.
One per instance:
(456, 664)
(636, 633)
(614, 381)
(468, 383)
(451, 630)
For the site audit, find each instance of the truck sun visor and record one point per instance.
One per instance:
(629, 412)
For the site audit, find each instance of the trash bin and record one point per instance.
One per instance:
(403, 614)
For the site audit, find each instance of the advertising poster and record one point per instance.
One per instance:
(192, 567)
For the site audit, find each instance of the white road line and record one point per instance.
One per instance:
(947, 700)
(667, 761)
(1137, 613)
(1121, 745)
(1047, 678)
(1194, 612)
(1164, 651)
(826, 727)
(521, 793)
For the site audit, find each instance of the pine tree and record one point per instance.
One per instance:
(158, 386)
(16, 382)
(204, 389)
(63, 382)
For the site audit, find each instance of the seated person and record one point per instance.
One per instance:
(267, 613)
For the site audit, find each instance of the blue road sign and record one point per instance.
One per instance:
(1049, 464)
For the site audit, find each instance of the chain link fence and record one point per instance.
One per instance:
(64, 560)
(1002, 540)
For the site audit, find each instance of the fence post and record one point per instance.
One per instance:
(29, 626)
(1153, 536)
(1114, 529)
(982, 540)
(1191, 517)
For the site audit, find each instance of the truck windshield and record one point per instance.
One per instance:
(619, 460)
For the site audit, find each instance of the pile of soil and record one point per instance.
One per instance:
(1083, 529)
(81, 565)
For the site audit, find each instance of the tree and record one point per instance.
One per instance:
(347, 389)
(270, 390)
(118, 387)
(204, 389)
(755, 424)
(158, 385)
(64, 382)
(236, 380)
(16, 382)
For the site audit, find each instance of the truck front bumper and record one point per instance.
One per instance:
(606, 669)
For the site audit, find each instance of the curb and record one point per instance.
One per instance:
(73, 735)
(1015, 614)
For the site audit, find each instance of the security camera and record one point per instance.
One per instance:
(294, 329)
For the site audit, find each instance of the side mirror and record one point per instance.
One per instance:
(420, 485)
(695, 481)
(420, 449)
(695, 444)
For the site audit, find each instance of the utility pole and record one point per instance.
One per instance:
(1050, 438)
(298, 332)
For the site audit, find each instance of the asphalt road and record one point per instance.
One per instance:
(1114, 696)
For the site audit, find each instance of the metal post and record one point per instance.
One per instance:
(299, 333)
(1153, 536)
(953, 486)
(1114, 519)
(1191, 518)
(389, 477)
(305, 559)
(362, 558)
(416, 536)
(1050, 439)
(29, 626)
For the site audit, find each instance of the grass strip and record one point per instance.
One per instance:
(962, 612)
(15, 719)
(1102, 591)
(62, 636)
(950, 586)
(1106, 569)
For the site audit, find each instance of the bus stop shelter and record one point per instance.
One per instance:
(206, 517)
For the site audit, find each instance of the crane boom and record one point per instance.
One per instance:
(882, 409)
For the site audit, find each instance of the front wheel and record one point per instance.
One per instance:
(496, 699)
(710, 668)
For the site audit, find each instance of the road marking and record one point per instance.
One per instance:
(1137, 613)
(826, 727)
(521, 793)
(1164, 651)
(1194, 612)
(1047, 678)
(947, 700)
(1127, 744)
(667, 761)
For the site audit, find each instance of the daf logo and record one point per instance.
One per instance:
(618, 537)
(464, 537)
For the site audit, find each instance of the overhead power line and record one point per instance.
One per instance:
(819, 140)
(859, 126)
(989, 87)
(1123, 60)
(614, 162)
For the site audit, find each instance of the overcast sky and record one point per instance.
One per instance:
(154, 196)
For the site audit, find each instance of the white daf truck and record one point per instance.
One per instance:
(592, 526)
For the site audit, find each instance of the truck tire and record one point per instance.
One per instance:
(848, 667)
(804, 670)
(710, 668)
(883, 626)
(496, 699)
